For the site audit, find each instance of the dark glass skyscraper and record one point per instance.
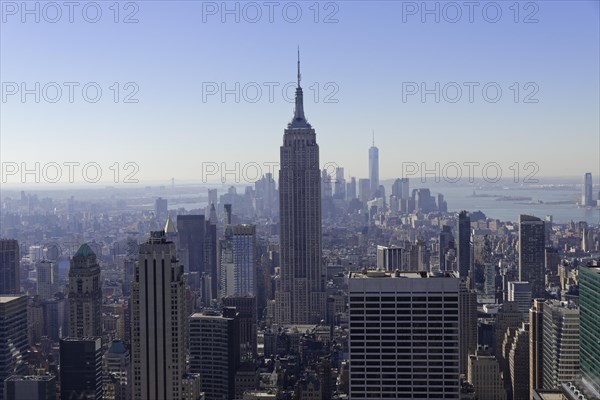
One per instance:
(191, 230)
(300, 297)
(464, 245)
(9, 267)
(532, 258)
(81, 369)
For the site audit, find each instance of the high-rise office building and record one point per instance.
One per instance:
(468, 325)
(245, 306)
(161, 209)
(211, 251)
(520, 293)
(463, 253)
(532, 253)
(364, 190)
(351, 189)
(190, 230)
(589, 313)
(85, 295)
(214, 351)
(339, 185)
(518, 359)
(405, 326)
(484, 375)
(587, 198)
(300, 297)
(446, 244)
(373, 168)
(560, 344)
(13, 337)
(536, 342)
(81, 369)
(116, 369)
(30, 387)
(158, 321)
(238, 261)
(47, 279)
(509, 316)
(10, 259)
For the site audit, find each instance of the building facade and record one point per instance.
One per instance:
(300, 295)
(532, 237)
(404, 335)
(158, 321)
(85, 295)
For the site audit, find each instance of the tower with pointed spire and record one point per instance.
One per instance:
(300, 290)
(374, 167)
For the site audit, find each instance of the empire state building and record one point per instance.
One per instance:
(300, 291)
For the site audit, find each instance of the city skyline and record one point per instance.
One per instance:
(149, 254)
(566, 111)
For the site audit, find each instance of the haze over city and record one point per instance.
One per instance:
(299, 200)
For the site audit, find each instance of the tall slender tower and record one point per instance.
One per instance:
(85, 295)
(300, 297)
(587, 198)
(158, 321)
(464, 245)
(374, 167)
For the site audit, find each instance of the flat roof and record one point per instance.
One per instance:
(6, 299)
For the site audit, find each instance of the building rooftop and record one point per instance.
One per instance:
(401, 274)
(31, 378)
(6, 298)
(85, 251)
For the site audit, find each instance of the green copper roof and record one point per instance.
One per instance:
(85, 251)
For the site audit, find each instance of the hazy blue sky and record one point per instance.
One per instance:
(370, 56)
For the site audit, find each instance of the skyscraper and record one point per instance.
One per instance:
(520, 293)
(560, 343)
(446, 243)
(300, 297)
(30, 387)
(484, 375)
(467, 302)
(214, 351)
(10, 258)
(13, 337)
(351, 189)
(587, 199)
(589, 301)
(238, 261)
(464, 245)
(81, 369)
(532, 254)
(339, 186)
(47, 279)
(158, 321)
(191, 242)
(536, 342)
(85, 295)
(405, 326)
(364, 190)
(373, 168)
(518, 359)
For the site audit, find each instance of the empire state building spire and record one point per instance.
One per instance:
(300, 289)
(299, 120)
